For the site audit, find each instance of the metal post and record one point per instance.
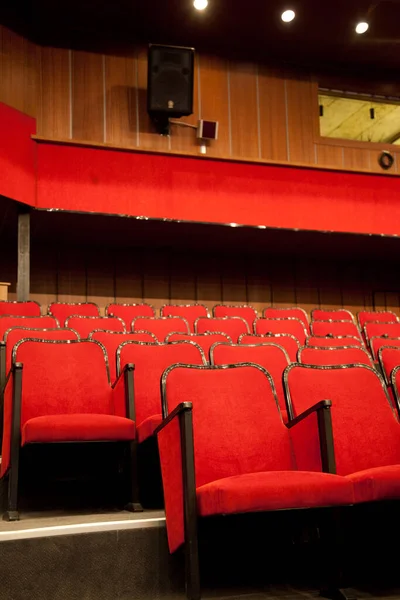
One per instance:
(23, 277)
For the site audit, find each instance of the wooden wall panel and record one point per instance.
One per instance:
(88, 100)
(54, 116)
(184, 139)
(272, 107)
(71, 275)
(182, 279)
(43, 276)
(282, 274)
(259, 288)
(307, 279)
(214, 101)
(302, 116)
(244, 110)
(208, 280)
(329, 156)
(330, 285)
(356, 158)
(100, 273)
(128, 276)
(156, 279)
(121, 101)
(233, 278)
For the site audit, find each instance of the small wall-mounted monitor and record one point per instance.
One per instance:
(207, 130)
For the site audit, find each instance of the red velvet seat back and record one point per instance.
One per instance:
(332, 342)
(381, 329)
(389, 359)
(381, 316)
(378, 342)
(204, 340)
(366, 431)
(46, 322)
(190, 312)
(232, 326)
(22, 309)
(335, 329)
(287, 313)
(286, 340)
(128, 312)
(150, 362)
(341, 314)
(16, 334)
(237, 427)
(248, 313)
(349, 355)
(161, 326)
(290, 325)
(270, 356)
(111, 340)
(85, 325)
(62, 310)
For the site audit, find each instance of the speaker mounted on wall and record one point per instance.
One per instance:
(170, 84)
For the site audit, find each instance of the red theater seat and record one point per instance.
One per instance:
(286, 340)
(239, 457)
(45, 322)
(381, 316)
(204, 340)
(341, 314)
(111, 340)
(332, 342)
(85, 325)
(372, 329)
(190, 312)
(309, 355)
(290, 325)
(389, 359)
(335, 329)
(128, 312)
(366, 432)
(30, 308)
(272, 357)
(246, 312)
(287, 313)
(62, 310)
(378, 342)
(161, 326)
(150, 361)
(232, 326)
(60, 391)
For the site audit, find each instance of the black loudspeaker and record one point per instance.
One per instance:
(170, 81)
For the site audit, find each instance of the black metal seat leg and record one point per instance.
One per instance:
(12, 513)
(134, 504)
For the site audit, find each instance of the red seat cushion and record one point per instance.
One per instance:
(77, 428)
(380, 483)
(148, 427)
(273, 490)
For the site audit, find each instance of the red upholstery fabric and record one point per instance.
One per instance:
(381, 483)
(62, 310)
(128, 312)
(334, 356)
(232, 326)
(286, 340)
(381, 329)
(248, 313)
(14, 335)
(389, 358)
(148, 426)
(270, 356)
(85, 325)
(22, 309)
(335, 328)
(78, 427)
(287, 313)
(273, 490)
(383, 316)
(333, 342)
(366, 431)
(190, 312)
(7, 323)
(377, 342)
(290, 325)
(321, 314)
(112, 339)
(161, 327)
(204, 340)
(150, 362)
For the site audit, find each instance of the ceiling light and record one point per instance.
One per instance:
(200, 4)
(288, 16)
(362, 27)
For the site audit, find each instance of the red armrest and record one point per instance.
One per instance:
(123, 395)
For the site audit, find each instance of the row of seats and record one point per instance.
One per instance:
(128, 312)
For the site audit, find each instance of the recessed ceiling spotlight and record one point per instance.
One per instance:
(200, 4)
(362, 27)
(288, 16)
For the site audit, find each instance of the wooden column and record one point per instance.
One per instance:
(24, 256)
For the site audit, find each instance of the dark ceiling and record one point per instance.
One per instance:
(322, 36)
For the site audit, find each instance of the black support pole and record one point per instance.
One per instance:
(24, 255)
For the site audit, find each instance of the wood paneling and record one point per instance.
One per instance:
(244, 110)
(88, 100)
(184, 139)
(272, 107)
(121, 100)
(71, 275)
(302, 118)
(54, 116)
(100, 272)
(329, 156)
(128, 276)
(354, 158)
